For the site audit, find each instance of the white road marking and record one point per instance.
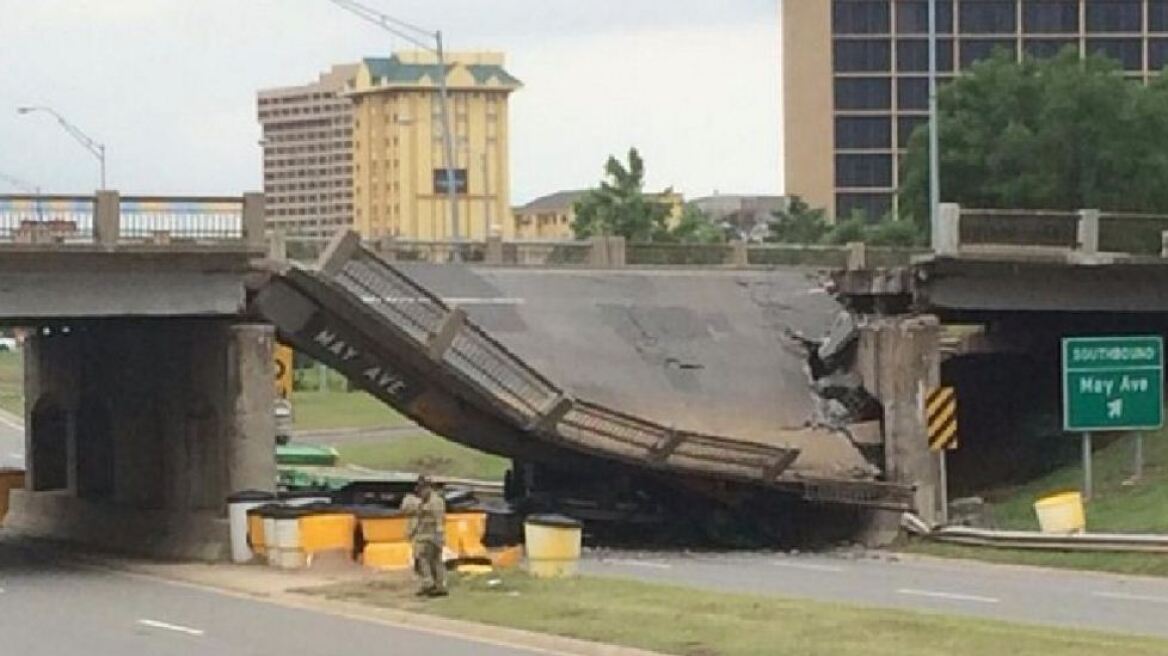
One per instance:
(952, 596)
(155, 624)
(638, 563)
(1123, 596)
(811, 567)
(449, 300)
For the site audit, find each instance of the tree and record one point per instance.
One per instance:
(798, 224)
(696, 227)
(620, 207)
(1062, 133)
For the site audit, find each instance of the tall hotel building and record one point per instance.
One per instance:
(855, 82)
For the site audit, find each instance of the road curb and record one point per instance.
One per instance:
(541, 643)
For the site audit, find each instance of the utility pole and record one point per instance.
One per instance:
(934, 137)
(432, 43)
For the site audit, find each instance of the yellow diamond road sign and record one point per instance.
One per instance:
(941, 418)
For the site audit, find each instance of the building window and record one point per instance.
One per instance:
(988, 17)
(863, 93)
(980, 49)
(1128, 52)
(860, 16)
(1050, 16)
(1043, 48)
(1158, 15)
(912, 93)
(872, 207)
(861, 56)
(859, 171)
(1114, 16)
(863, 132)
(905, 126)
(440, 178)
(912, 55)
(912, 17)
(1157, 54)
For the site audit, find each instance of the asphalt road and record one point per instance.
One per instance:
(49, 609)
(1087, 600)
(11, 443)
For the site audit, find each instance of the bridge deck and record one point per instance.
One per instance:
(402, 343)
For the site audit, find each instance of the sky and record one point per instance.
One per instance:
(169, 86)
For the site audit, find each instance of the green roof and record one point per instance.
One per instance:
(393, 70)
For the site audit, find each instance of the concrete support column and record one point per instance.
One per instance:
(107, 218)
(947, 239)
(900, 361)
(1088, 232)
(251, 429)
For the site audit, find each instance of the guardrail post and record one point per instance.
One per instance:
(387, 248)
(278, 245)
(338, 252)
(494, 254)
(441, 341)
(1088, 231)
(550, 416)
(947, 238)
(1164, 244)
(107, 218)
(253, 220)
(739, 256)
(857, 256)
(607, 251)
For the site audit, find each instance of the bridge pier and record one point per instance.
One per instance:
(899, 359)
(139, 429)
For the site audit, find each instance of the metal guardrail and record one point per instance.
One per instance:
(111, 220)
(1031, 540)
(41, 219)
(1019, 228)
(1083, 233)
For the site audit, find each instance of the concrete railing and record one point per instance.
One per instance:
(1087, 232)
(108, 219)
(614, 252)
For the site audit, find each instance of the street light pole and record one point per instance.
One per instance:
(934, 137)
(414, 35)
(95, 148)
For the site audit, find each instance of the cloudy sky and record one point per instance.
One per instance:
(169, 86)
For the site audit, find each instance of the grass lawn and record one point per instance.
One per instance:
(687, 622)
(12, 382)
(1116, 508)
(321, 410)
(425, 454)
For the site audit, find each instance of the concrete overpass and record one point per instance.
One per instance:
(149, 391)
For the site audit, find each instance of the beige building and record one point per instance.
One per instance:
(307, 146)
(399, 175)
(855, 82)
(550, 217)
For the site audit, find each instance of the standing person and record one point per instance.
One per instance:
(427, 535)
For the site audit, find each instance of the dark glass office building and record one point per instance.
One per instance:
(855, 81)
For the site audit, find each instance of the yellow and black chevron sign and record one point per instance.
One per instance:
(941, 417)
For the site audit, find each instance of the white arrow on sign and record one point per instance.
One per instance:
(1115, 409)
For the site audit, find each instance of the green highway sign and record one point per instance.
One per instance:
(1113, 383)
